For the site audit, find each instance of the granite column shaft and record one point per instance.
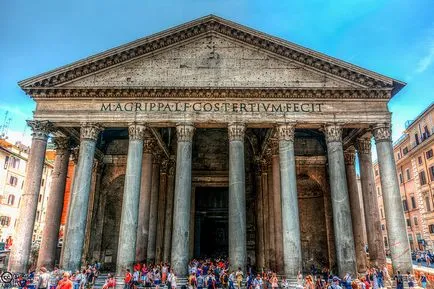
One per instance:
(394, 212)
(162, 198)
(20, 253)
(278, 235)
(168, 222)
(237, 197)
(265, 219)
(153, 209)
(270, 210)
(259, 219)
(50, 234)
(76, 224)
(182, 202)
(130, 204)
(343, 229)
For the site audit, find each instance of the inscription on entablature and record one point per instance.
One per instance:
(308, 107)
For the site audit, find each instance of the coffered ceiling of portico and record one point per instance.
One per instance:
(215, 61)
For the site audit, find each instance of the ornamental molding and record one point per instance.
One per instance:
(137, 131)
(148, 145)
(236, 131)
(207, 26)
(207, 93)
(62, 144)
(40, 129)
(90, 131)
(363, 145)
(286, 131)
(185, 132)
(382, 132)
(274, 146)
(349, 156)
(333, 133)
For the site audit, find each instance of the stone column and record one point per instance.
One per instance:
(343, 229)
(259, 219)
(50, 234)
(130, 200)
(270, 210)
(20, 253)
(153, 210)
(395, 221)
(145, 199)
(377, 254)
(264, 182)
(161, 211)
(277, 207)
(169, 210)
(73, 245)
(181, 209)
(288, 187)
(356, 213)
(237, 197)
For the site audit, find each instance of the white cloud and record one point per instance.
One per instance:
(18, 136)
(427, 60)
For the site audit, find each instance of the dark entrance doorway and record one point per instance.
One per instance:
(211, 222)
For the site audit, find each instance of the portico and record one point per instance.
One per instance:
(213, 104)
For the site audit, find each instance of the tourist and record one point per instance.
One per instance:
(335, 284)
(320, 283)
(169, 278)
(239, 277)
(192, 282)
(110, 283)
(136, 277)
(347, 281)
(249, 281)
(309, 282)
(275, 282)
(173, 280)
(157, 279)
(164, 271)
(200, 280)
(299, 279)
(232, 280)
(399, 280)
(257, 283)
(410, 279)
(65, 283)
(285, 283)
(128, 279)
(423, 280)
(44, 279)
(380, 279)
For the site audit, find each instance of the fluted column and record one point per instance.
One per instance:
(277, 207)
(74, 242)
(130, 200)
(377, 254)
(181, 209)
(395, 221)
(50, 234)
(20, 252)
(168, 222)
(288, 188)
(259, 218)
(161, 211)
(153, 209)
(356, 214)
(145, 200)
(343, 228)
(237, 197)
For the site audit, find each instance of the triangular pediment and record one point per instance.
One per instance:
(211, 52)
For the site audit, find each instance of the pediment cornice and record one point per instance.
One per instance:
(202, 26)
(208, 93)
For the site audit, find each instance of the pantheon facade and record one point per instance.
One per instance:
(214, 139)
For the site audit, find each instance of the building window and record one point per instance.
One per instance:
(6, 162)
(382, 227)
(13, 181)
(419, 160)
(416, 137)
(431, 229)
(400, 179)
(42, 182)
(422, 178)
(413, 203)
(415, 221)
(381, 213)
(429, 154)
(40, 198)
(376, 173)
(431, 173)
(407, 172)
(11, 200)
(385, 242)
(399, 155)
(427, 204)
(15, 163)
(378, 191)
(405, 150)
(4, 221)
(405, 205)
(37, 215)
(408, 223)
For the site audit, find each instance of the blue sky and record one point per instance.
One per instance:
(394, 38)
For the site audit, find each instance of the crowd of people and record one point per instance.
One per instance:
(423, 257)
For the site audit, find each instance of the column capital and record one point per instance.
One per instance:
(185, 132)
(164, 165)
(172, 165)
(90, 131)
(136, 131)
(236, 131)
(41, 128)
(62, 143)
(349, 156)
(382, 132)
(264, 166)
(363, 145)
(156, 157)
(333, 133)
(286, 131)
(148, 145)
(75, 152)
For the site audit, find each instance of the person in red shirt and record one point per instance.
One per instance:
(65, 283)
(128, 278)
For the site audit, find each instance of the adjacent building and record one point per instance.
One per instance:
(414, 159)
